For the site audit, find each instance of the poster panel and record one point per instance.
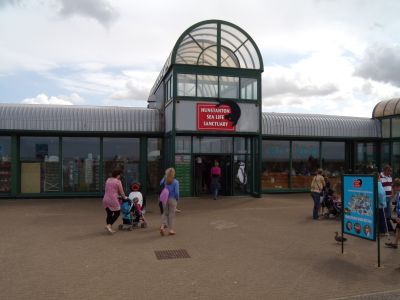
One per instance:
(212, 117)
(359, 203)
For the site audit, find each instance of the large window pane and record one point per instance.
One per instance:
(5, 164)
(154, 164)
(81, 157)
(396, 159)
(40, 164)
(385, 128)
(241, 145)
(186, 85)
(248, 88)
(365, 160)
(212, 145)
(207, 86)
(229, 87)
(396, 127)
(385, 154)
(305, 162)
(275, 165)
(122, 154)
(333, 160)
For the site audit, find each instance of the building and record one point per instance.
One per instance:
(205, 106)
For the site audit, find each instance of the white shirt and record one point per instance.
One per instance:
(138, 195)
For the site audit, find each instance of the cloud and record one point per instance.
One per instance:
(59, 100)
(99, 10)
(380, 63)
(4, 3)
(134, 90)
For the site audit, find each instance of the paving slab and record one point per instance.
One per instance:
(239, 248)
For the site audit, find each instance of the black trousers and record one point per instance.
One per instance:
(112, 216)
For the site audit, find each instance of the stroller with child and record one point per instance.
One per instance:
(332, 203)
(132, 216)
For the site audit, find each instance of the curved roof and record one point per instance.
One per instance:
(387, 108)
(78, 118)
(214, 43)
(302, 125)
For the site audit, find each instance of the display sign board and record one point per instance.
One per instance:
(212, 117)
(359, 206)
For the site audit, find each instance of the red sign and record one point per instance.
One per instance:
(212, 117)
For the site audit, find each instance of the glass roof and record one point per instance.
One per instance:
(214, 43)
(200, 44)
(387, 108)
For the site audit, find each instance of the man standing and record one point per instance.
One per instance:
(386, 178)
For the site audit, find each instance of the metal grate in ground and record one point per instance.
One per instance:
(171, 254)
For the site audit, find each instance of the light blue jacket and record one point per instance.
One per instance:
(381, 196)
(173, 188)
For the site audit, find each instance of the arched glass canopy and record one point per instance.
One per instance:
(214, 43)
(387, 108)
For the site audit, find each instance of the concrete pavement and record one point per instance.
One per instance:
(239, 247)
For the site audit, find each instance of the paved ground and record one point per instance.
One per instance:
(240, 248)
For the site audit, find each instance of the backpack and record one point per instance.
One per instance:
(164, 195)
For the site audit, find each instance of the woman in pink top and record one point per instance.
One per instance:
(110, 200)
(215, 176)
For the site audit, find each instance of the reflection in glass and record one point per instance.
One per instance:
(81, 157)
(154, 164)
(229, 87)
(5, 164)
(333, 160)
(40, 164)
(385, 154)
(212, 144)
(305, 162)
(275, 164)
(186, 85)
(122, 154)
(365, 160)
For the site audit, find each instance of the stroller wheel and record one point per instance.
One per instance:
(120, 226)
(143, 225)
(130, 229)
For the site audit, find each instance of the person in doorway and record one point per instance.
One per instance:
(317, 186)
(111, 203)
(169, 207)
(215, 179)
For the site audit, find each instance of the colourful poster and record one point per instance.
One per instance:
(359, 206)
(213, 118)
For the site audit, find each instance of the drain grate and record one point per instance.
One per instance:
(171, 254)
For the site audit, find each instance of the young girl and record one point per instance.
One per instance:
(169, 206)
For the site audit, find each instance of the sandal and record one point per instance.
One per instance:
(162, 231)
(172, 232)
(391, 245)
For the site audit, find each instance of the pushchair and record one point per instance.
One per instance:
(132, 216)
(332, 204)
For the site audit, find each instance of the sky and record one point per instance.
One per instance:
(320, 56)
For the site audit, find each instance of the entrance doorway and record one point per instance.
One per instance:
(202, 165)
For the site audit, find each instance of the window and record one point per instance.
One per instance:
(212, 145)
(122, 154)
(248, 88)
(365, 161)
(40, 164)
(305, 162)
(207, 86)
(385, 154)
(333, 160)
(275, 164)
(385, 128)
(186, 85)
(182, 144)
(396, 127)
(5, 164)
(154, 164)
(396, 159)
(229, 87)
(81, 157)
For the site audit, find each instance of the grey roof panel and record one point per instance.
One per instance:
(302, 125)
(78, 118)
